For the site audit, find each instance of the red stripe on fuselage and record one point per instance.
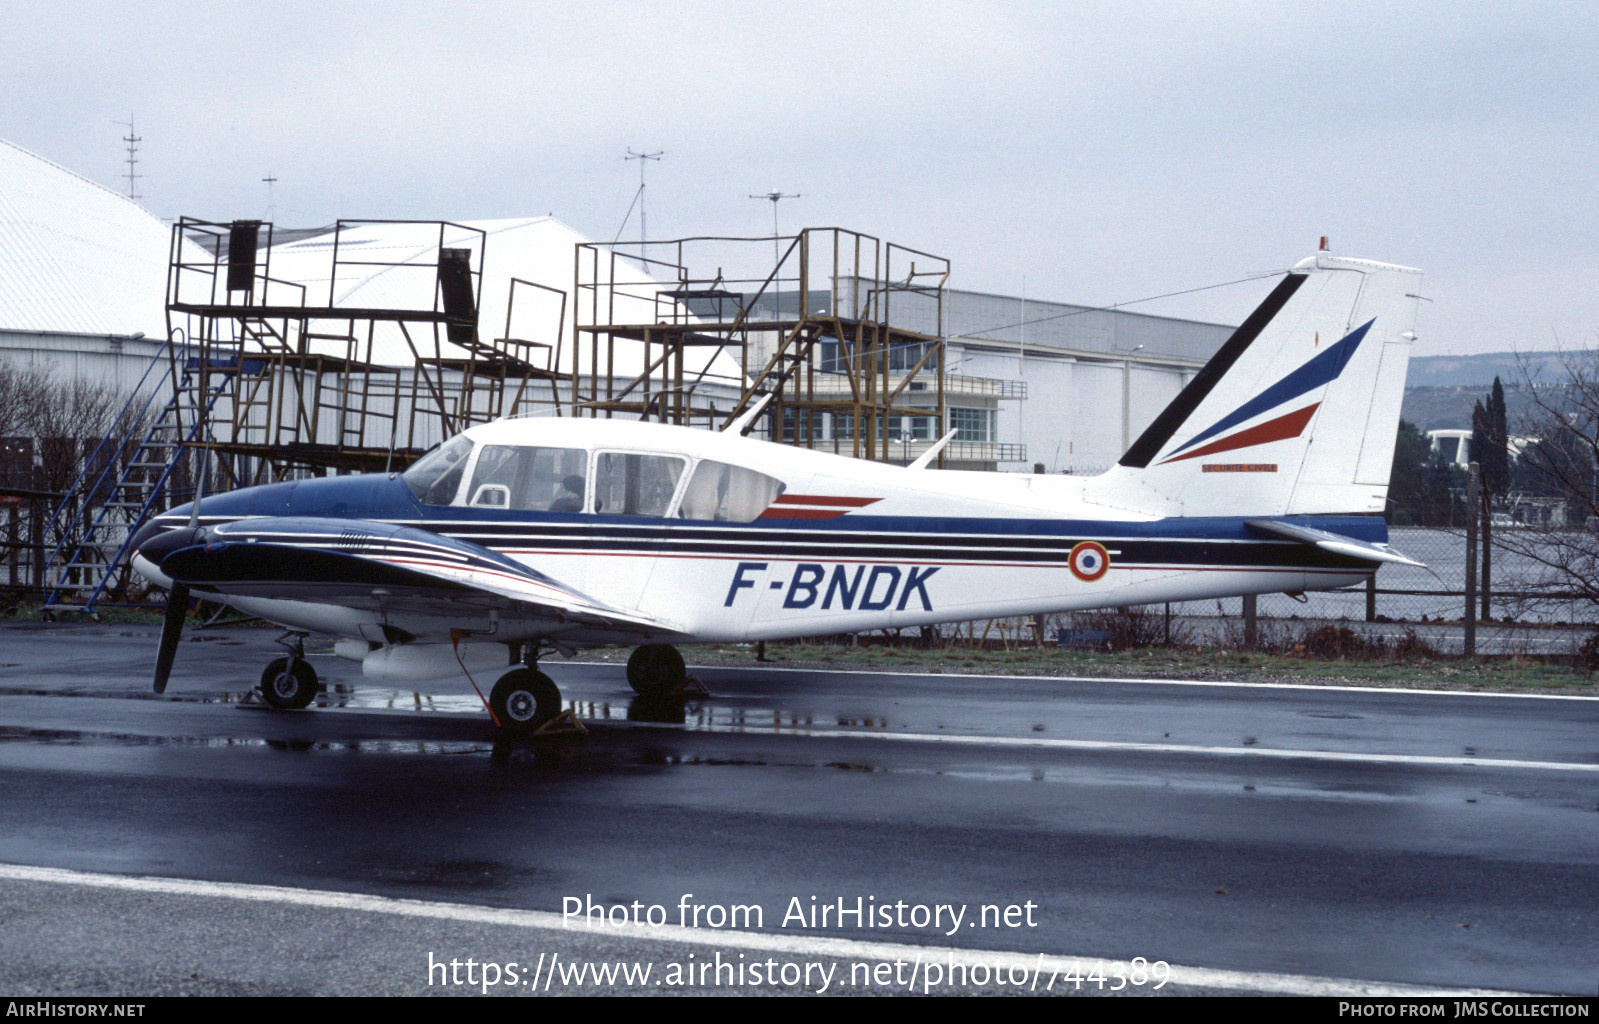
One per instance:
(802, 513)
(815, 499)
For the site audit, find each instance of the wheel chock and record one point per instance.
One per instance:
(563, 724)
(692, 687)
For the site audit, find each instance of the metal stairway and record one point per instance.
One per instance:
(137, 479)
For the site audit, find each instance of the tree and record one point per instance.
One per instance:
(22, 395)
(1490, 442)
(1495, 459)
(48, 427)
(1420, 482)
(1560, 465)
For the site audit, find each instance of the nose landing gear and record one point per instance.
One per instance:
(289, 684)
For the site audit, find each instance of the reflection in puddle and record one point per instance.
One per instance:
(68, 737)
(343, 695)
(695, 713)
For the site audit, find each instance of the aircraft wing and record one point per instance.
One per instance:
(1334, 542)
(378, 566)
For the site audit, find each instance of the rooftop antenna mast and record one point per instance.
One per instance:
(774, 196)
(269, 180)
(643, 224)
(133, 140)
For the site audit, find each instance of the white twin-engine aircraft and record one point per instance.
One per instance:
(1268, 472)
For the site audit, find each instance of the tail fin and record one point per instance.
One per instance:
(1296, 414)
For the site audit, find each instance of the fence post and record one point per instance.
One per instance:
(36, 544)
(13, 540)
(1473, 507)
(1371, 598)
(1250, 634)
(1485, 581)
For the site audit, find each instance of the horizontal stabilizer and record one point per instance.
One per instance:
(1336, 543)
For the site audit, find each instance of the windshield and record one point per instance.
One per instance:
(436, 477)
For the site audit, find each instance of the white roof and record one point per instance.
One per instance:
(76, 257)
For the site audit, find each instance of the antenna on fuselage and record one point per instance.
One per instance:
(930, 454)
(742, 425)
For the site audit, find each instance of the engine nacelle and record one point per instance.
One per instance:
(404, 663)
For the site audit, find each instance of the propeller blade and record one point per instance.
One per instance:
(171, 631)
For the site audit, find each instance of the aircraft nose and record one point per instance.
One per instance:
(155, 541)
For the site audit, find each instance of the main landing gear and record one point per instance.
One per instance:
(656, 670)
(524, 699)
(289, 684)
(527, 702)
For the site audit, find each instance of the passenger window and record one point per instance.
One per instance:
(527, 479)
(728, 494)
(635, 485)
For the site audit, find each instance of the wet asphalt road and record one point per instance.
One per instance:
(1441, 841)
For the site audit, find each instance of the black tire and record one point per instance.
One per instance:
(288, 684)
(656, 670)
(524, 699)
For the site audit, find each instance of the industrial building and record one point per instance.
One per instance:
(1087, 380)
(82, 274)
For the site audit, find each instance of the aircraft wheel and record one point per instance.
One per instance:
(288, 684)
(524, 699)
(656, 669)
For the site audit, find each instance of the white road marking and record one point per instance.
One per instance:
(1148, 748)
(797, 945)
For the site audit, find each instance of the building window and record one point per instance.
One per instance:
(904, 356)
(972, 424)
(813, 418)
(920, 428)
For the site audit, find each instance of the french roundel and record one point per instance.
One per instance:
(1089, 561)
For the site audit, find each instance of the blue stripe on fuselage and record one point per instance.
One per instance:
(1208, 541)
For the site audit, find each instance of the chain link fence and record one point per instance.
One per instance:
(1410, 610)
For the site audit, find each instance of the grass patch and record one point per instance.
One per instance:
(1509, 674)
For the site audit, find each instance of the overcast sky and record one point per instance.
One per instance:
(1084, 152)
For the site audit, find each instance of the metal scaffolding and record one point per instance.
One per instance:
(818, 328)
(267, 377)
(325, 383)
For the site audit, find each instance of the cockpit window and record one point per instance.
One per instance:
(436, 476)
(635, 485)
(728, 494)
(528, 479)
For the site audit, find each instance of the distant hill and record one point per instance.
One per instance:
(1480, 370)
(1441, 390)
